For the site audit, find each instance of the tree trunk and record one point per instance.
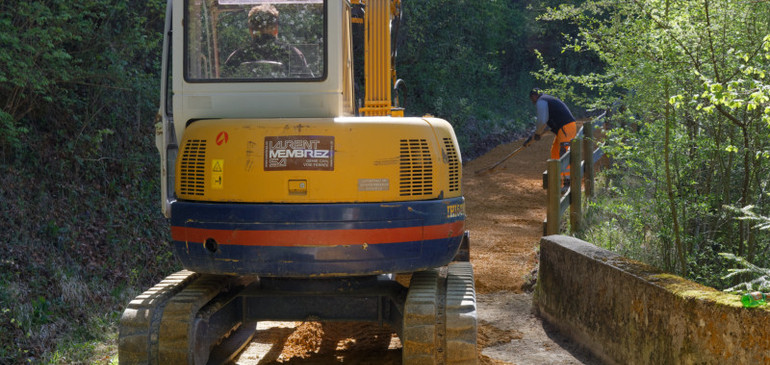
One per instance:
(670, 189)
(746, 192)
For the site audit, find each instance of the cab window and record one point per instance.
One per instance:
(255, 40)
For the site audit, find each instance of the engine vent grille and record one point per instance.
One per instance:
(192, 167)
(454, 165)
(416, 168)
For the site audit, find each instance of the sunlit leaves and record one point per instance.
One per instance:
(700, 71)
(761, 276)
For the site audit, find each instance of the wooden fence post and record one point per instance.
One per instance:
(553, 215)
(588, 156)
(580, 164)
(576, 184)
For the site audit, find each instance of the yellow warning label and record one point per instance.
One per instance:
(217, 174)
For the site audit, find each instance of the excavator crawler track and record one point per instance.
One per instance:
(440, 317)
(140, 323)
(187, 318)
(461, 317)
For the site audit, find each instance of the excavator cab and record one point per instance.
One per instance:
(287, 198)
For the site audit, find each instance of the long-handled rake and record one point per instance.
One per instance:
(491, 168)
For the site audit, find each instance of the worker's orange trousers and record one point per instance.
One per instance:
(561, 143)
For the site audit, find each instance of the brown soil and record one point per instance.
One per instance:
(505, 212)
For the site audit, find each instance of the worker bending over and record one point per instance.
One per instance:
(554, 114)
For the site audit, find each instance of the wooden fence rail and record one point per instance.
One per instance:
(580, 159)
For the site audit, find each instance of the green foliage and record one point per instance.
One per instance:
(761, 276)
(748, 213)
(593, 91)
(79, 170)
(468, 64)
(689, 81)
(10, 133)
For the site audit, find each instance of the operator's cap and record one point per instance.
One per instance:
(535, 91)
(263, 16)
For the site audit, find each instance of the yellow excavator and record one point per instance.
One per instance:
(297, 189)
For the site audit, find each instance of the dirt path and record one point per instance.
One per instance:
(505, 212)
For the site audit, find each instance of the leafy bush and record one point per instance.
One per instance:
(691, 81)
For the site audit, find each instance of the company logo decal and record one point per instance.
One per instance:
(222, 137)
(299, 153)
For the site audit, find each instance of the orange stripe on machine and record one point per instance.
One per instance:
(306, 238)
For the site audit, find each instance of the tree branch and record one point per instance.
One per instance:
(729, 116)
(711, 42)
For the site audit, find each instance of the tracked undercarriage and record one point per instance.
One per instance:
(190, 318)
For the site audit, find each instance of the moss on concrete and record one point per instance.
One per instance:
(631, 313)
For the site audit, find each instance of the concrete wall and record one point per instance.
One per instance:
(627, 312)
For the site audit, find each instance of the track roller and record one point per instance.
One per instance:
(440, 317)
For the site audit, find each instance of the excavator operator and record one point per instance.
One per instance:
(266, 56)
